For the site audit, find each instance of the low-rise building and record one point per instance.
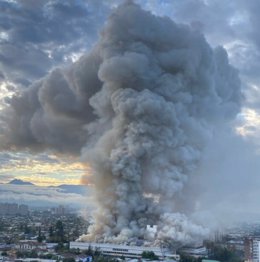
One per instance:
(33, 260)
(25, 245)
(256, 250)
(125, 250)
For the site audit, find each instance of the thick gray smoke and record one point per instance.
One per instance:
(139, 108)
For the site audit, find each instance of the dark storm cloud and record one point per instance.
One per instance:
(12, 159)
(37, 35)
(253, 7)
(19, 62)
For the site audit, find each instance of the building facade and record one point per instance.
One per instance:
(27, 245)
(12, 209)
(256, 250)
(248, 249)
(124, 250)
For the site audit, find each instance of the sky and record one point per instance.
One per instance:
(38, 36)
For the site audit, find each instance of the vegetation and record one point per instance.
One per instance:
(27, 254)
(40, 236)
(48, 256)
(218, 252)
(149, 255)
(68, 259)
(57, 234)
(75, 251)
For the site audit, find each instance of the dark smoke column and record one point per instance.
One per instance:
(164, 90)
(140, 108)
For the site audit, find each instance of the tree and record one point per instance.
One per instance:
(149, 255)
(89, 251)
(68, 259)
(40, 237)
(33, 254)
(186, 258)
(27, 230)
(75, 251)
(51, 234)
(59, 234)
(220, 253)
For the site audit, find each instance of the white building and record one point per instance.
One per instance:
(151, 230)
(23, 245)
(124, 250)
(33, 260)
(256, 250)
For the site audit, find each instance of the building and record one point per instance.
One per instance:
(33, 260)
(23, 210)
(252, 249)
(60, 210)
(124, 250)
(248, 249)
(25, 245)
(151, 230)
(197, 252)
(256, 250)
(209, 260)
(13, 209)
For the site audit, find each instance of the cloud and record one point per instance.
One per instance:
(41, 169)
(6, 177)
(42, 196)
(49, 31)
(228, 180)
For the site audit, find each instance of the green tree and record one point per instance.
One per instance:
(220, 253)
(59, 232)
(40, 237)
(51, 234)
(89, 251)
(33, 254)
(149, 255)
(75, 251)
(186, 258)
(68, 259)
(27, 230)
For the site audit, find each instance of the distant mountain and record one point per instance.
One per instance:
(20, 182)
(74, 189)
(21, 192)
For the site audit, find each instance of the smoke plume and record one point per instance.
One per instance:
(139, 109)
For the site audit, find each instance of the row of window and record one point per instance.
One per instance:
(120, 253)
(120, 249)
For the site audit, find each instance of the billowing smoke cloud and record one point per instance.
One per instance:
(139, 109)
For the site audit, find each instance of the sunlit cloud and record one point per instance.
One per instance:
(42, 169)
(7, 89)
(250, 123)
